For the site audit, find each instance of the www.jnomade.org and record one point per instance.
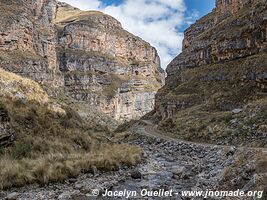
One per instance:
(169, 193)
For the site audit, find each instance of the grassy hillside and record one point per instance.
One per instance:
(225, 103)
(53, 141)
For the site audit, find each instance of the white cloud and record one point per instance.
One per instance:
(155, 21)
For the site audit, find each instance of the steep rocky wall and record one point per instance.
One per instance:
(28, 39)
(241, 34)
(88, 53)
(222, 67)
(225, 8)
(105, 65)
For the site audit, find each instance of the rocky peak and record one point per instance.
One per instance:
(67, 14)
(98, 32)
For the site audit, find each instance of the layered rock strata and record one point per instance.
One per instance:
(88, 53)
(105, 65)
(222, 67)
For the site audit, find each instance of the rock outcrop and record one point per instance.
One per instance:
(88, 53)
(105, 65)
(222, 67)
(28, 39)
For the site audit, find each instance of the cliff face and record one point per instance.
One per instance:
(88, 53)
(105, 65)
(222, 67)
(28, 39)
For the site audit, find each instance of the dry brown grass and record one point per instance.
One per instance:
(58, 167)
(52, 143)
(68, 13)
(208, 95)
(51, 147)
(14, 86)
(242, 170)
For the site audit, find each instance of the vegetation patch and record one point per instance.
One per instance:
(53, 141)
(116, 82)
(17, 56)
(205, 101)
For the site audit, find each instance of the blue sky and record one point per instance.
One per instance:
(198, 5)
(160, 22)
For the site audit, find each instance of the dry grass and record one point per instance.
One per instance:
(205, 100)
(84, 55)
(52, 147)
(15, 87)
(53, 141)
(58, 167)
(68, 13)
(116, 82)
(18, 56)
(242, 170)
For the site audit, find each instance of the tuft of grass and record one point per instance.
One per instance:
(15, 87)
(58, 167)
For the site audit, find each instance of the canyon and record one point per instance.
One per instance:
(69, 78)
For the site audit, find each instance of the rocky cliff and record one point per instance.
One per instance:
(28, 39)
(87, 53)
(105, 65)
(216, 88)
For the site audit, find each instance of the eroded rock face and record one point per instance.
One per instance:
(28, 39)
(89, 53)
(105, 65)
(222, 67)
(233, 30)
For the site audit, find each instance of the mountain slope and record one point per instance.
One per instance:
(43, 139)
(216, 88)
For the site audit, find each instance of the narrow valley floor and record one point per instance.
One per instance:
(169, 164)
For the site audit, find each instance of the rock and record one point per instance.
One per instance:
(136, 174)
(115, 71)
(65, 196)
(263, 128)
(93, 58)
(179, 172)
(7, 133)
(78, 186)
(72, 180)
(217, 62)
(237, 111)
(231, 151)
(12, 196)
